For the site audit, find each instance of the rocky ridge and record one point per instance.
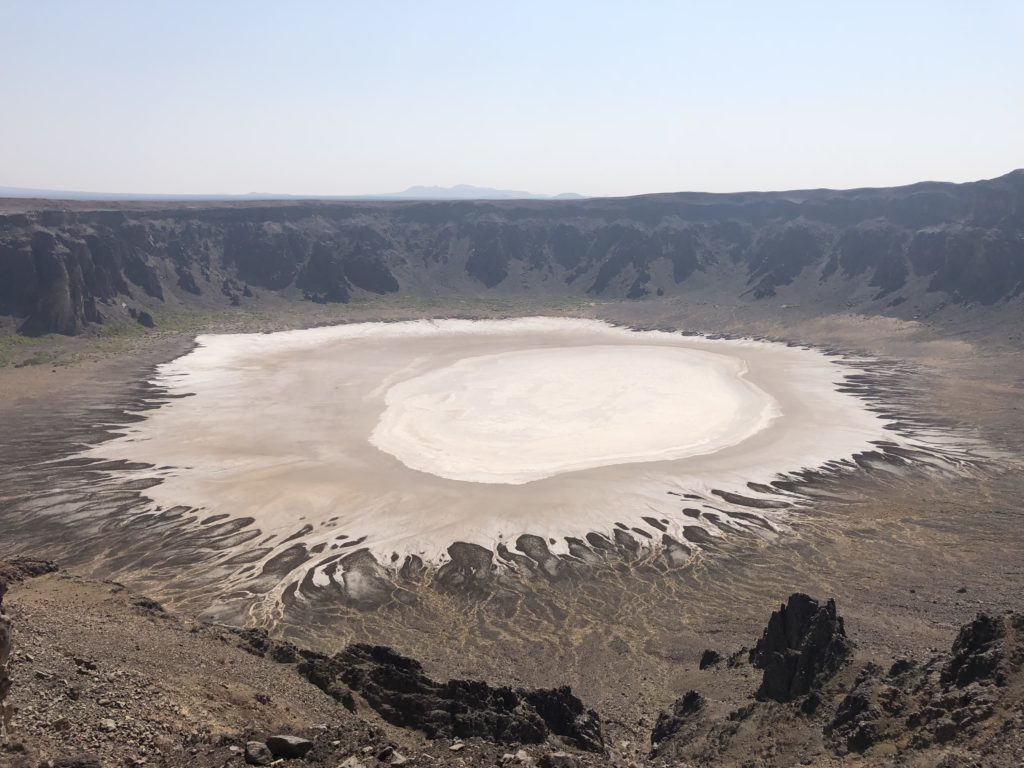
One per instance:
(905, 251)
(951, 709)
(396, 688)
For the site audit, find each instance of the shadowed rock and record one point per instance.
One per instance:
(965, 702)
(803, 645)
(978, 651)
(396, 688)
(947, 699)
(288, 747)
(710, 658)
(685, 711)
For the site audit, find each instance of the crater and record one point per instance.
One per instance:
(409, 436)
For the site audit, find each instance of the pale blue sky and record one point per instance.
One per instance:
(591, 97)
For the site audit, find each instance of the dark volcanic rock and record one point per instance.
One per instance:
(397, 689)
(978, 651)
(803, 645)
(947, 699)
(289, 747)
(258, 753)
(258, 642)
(898, 250)
(565, 716)
(856, 716)
(685, 711)
(710, 658)
(965, 705)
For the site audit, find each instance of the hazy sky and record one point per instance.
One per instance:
(591, 97)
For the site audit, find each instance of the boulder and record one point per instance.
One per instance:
(258, 753)
(288, 747)
(391, 756)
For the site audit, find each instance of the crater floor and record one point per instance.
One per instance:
(516, 417)
(405, 437)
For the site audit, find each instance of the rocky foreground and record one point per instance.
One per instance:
(94, 675)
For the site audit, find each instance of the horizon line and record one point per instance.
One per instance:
(499, 194)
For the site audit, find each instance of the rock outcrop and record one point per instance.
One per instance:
(684, 716)
(947, 698)
(397, 689)
(979, 652)
(803, 645)
(970, 699)
(903, 251)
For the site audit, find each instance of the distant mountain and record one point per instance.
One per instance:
(458, 192)
(469, 192)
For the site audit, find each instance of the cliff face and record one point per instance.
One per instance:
(903, 250)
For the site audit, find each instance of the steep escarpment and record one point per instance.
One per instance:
(904, 251)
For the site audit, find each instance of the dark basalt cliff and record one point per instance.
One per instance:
(905, 250)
